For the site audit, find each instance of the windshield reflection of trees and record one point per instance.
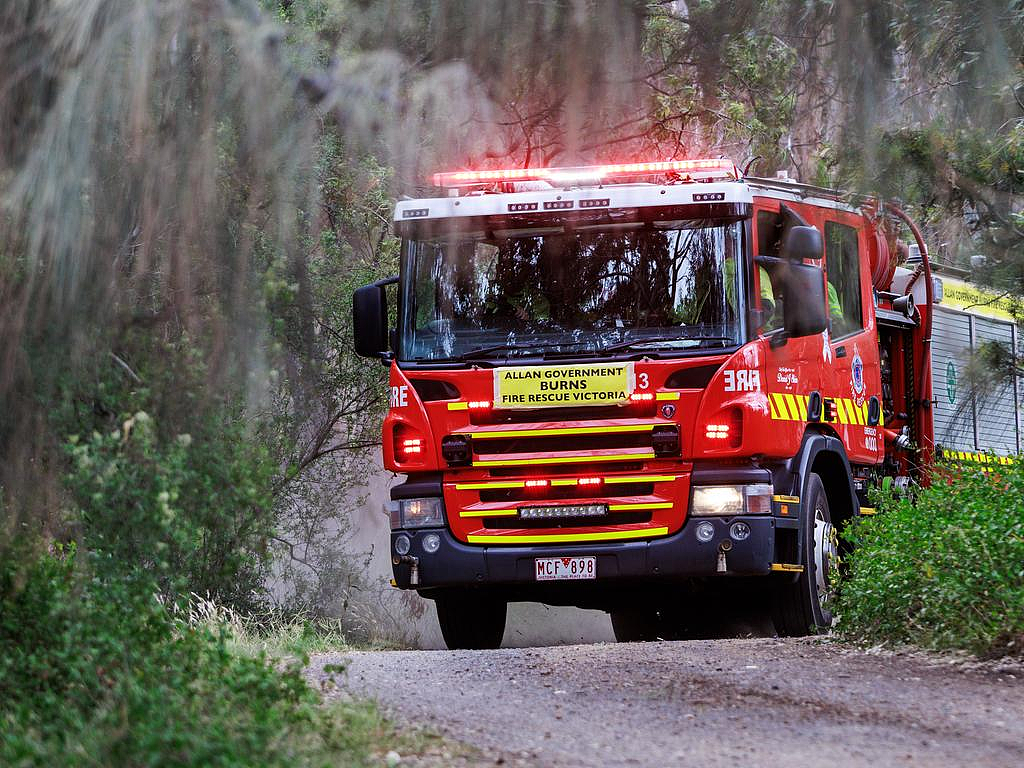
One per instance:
(580, 282)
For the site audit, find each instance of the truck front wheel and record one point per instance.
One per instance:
(806, 603)
(470, 620)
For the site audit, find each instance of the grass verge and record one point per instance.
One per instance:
(943, 570)
(95, 671)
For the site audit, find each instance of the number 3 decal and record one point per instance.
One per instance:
(645, 381)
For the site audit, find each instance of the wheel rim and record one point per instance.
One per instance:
(826, 549)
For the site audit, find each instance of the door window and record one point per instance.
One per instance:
(842, 267)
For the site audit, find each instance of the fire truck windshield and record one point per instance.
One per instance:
(598, 290)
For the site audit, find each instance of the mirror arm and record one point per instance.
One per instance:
(777, 340)
(387, 281)
(387, 355)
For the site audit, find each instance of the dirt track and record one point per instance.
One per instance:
(758, 702)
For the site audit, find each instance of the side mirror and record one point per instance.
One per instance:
(370, 319)
(804, 311)
(803, 243)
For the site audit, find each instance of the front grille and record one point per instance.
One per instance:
(579, 413)
(540, 444)
(563, 492)
(544, 470)
(612, 518)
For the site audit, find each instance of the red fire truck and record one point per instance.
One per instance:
(610, 383)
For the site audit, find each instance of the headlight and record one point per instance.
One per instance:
(727, 500)
(420, 513)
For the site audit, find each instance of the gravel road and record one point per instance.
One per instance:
(754, 702)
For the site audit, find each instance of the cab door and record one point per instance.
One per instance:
(792, 368)
(850, 374)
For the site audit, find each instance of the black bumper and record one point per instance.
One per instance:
(680, 555)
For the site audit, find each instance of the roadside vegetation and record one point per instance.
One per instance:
(944, 568)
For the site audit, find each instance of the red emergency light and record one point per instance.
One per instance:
(713, 168)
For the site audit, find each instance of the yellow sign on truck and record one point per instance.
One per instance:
(550, 386)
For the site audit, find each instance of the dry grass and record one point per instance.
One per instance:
(274, 631)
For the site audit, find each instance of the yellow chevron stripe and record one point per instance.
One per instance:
(792, 407)
(667, 396)
(841, 413)
(462, 406)
(567, 538)
(771, 406)
(804, 400)
(488, 512)
(641, 479)
(851, 408)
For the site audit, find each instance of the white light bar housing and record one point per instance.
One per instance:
(586, 199)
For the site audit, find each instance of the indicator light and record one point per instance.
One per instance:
(409, 444)
(728, 426)
(536, 483)
(431, 543)
(478, 405)
(589, 481)
(641, 397)
(402, 545)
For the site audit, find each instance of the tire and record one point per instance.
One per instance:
(804, 605)
(635, 626)
(471, 621)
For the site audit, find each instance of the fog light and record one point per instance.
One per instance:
(431, 543)
(740, 531)
(705, 532)
(402, 545)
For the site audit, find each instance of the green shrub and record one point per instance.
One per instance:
(96, 672)
(194, 514)
(943, 570)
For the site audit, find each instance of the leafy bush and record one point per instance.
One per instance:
(96, 672)
(163, 475)
(196, 515)
(943, 570)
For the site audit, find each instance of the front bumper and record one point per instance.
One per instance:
(679, 555)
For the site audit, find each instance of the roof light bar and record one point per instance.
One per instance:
(719, 167)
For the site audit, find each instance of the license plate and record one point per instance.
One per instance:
(565, 568)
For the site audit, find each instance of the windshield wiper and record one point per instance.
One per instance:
(527, 347)
(657, 340)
